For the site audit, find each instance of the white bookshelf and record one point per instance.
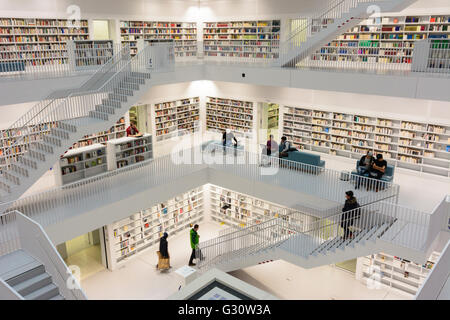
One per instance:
(89, 53)
(222, 114)
(257, 39)
(177, 118)
(141, 231)
(82, 163)
(127, 151)
(184, 35)
(239, 210)
(38, 41)
(419, 146)
(388, 40)
(394, 272)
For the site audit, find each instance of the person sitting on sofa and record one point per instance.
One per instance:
(285, 147)
(378, 169)
(272, 145)
(365, 163)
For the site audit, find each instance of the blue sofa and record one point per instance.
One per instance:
(388, 174)
(306, 158)
(12, 66)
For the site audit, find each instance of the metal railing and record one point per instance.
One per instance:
(55, 60)
(18, 232)
(76, 107)
(380, 221)
(60, 203)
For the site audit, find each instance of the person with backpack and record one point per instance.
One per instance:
(349, 214)
(194, 238)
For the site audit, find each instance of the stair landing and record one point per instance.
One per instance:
(16, 263)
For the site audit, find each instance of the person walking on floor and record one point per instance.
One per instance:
(194, 238)
(349, 214)
(164, 247)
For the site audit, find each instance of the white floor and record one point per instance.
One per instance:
(138, 278)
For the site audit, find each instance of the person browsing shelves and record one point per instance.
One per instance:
(132, 131)
(272, 146)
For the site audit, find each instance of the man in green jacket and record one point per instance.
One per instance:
(194, 243)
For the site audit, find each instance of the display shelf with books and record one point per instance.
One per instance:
(388, 40)
(90, 53)
(242, 39)
(177, 118)
(222, 114)
(414, 145)
(394, 272)
(142, 230)
(127, 151)
(39, 41)
(184, 35)
(81, 163)
(239, 210)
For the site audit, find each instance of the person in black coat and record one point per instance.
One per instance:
(164, 246)
(349, 213)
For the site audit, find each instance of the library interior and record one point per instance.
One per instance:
(225, 150)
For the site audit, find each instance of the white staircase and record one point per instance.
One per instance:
(375, 228)
(118, 85)
(346, 14)
(28, 277)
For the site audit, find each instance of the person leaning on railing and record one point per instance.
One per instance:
(349, 214)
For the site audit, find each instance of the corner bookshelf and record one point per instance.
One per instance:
(239, 210)
(222, 114)
(388, 40)
(115, 132)
(82, 163)
(257, 39)
(127, 151)
(177, 118)
(141, 231)
(395, 272)
(419, 146)
(184, 34)
(90, 53)
(37, 41)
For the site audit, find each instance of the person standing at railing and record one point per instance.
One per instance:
(228, 138)
(194, 238)
(271, 146)
(349, 214)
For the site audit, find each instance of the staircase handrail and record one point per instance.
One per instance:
(28, 119)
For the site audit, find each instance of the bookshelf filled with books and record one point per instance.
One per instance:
(115, 132)
(177, 118)
(142, 230)
(222, 114)
(420, 146)
(127, 151)
(38, 41)
(239, 210)
(184, 35)
(257, 39)
(81, 163)
(394, 272)
(90, 53)
(387, 40)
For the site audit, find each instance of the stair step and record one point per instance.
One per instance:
(38, 155)
(66, 126)
(19, 169)
(43, 293)
(112, 103)
(129, 86)
(98, 115)
(52, 140)
(142, 75)
(26, 162)
(105, 109)
(118, 97)
(60, 133)
(58, 297)
(28, 286)
(125, 92)
(5, 186)
(7, 175)
(27, 272)
(42, 146)
(135, 80)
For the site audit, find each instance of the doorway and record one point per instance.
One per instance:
(139, 114)
(101, 29)
(269, 119)
(84, 252)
